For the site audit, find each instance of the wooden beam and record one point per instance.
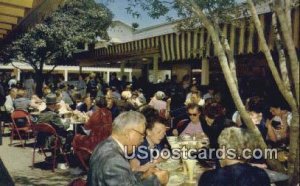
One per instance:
(2, 31)
(8, 19)
(19, 3)
(12, 11)
(5, 26)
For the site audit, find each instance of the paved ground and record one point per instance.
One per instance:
(18, 161)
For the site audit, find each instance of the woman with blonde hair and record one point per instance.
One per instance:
(235, 171)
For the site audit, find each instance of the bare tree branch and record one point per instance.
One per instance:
(286, 94)
(54, 66)
(282, 58)
(231, 60)
(287, 37)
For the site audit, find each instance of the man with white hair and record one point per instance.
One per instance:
(108, 163)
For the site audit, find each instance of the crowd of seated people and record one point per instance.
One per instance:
(104, 107)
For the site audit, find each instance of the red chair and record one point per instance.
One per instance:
(45, 130)
(83, 155)
(181, 123)
(17, 129)
(78, 182)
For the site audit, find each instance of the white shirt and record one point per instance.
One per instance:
(12, 82)
(9, 104)
(120, 144)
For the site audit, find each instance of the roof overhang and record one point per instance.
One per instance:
(16, 16)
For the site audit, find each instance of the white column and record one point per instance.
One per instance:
(66, 74)
(130, 76)
(205, 72)
(18, 74)
(155, 68)
(122, 66)
(107, 77)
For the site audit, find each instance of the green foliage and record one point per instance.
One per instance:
(135, 25)
(56, 39)
(158, 8)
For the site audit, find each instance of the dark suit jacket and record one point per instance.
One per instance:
(108, 166)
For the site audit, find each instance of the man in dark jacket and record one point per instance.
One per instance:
(50, 116)
(108, 163)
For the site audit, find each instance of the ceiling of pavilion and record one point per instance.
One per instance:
(17, 15)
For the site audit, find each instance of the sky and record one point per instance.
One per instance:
(118, 8)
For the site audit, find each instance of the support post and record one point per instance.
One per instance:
(205, 72)
(107, 77)
(155, 68)
(122, 66)
(66, 75)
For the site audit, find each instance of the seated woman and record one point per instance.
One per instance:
(37, 104)
(157, 102)
(279, 122)
(100, 126)
(235, 171)
(63, 106)
(83, 104)
(193, 126)
(195, 97)
(213, 122)
(21, 102)
(155, 133)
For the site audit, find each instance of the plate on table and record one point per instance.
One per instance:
(169, 165)
(176, 179)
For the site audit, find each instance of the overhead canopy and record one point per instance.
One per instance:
(195, 44)
(17, 15)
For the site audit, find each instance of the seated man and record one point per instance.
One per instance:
(235, 171)
(108, 163)
(50, 116)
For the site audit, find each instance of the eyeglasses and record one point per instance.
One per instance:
(142, 134)
(192, 114)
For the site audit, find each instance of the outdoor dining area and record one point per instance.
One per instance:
(107, 93)
(184, 144)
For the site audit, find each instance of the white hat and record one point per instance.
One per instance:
(160, 95)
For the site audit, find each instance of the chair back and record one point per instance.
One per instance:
(78, 182)
(44, 128)
(181, 123)
(21, 115)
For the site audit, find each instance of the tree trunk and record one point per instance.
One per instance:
(293, 161)
(39, 83)
(230, 80)
(294, 135)
(291, 49)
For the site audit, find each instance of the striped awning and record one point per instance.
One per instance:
(195, 44)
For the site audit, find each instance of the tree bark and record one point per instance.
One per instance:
(286, 94)
(294, 135)
(227, 73)
(39, 83)
(281, 54)
(231, 60)
(293, 160)
(287, 37)
(230, 80)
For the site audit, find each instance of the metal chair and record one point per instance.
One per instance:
(78, 182)
(45, 130)
(181, 123)
(17, 128)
